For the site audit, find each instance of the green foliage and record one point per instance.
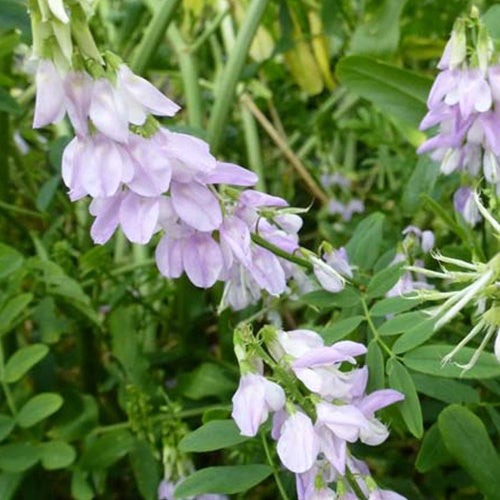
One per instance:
(213, 435)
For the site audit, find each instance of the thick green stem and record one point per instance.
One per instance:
(354, 484)
(232, 70)
(156, 31)
(189, 73)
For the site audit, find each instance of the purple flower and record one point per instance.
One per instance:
(255, 398)
(463, 201)
(49, 106)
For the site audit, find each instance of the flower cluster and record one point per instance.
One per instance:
(146, 179)
(314, 420)
(465, 101)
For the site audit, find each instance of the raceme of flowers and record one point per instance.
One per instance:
(465, 102)
(144, 179)
(313, 427)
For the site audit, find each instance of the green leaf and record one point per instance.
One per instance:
(145, 467)
(8, 104)
(80, 487)
(447, 390)
(401, 322)
(427, 359)
(228, 479)
(107, 449)
(375, 364)
(214, 435)
(364, 246)
(422, 180)
(467, 440)
(433, 452)
(322, 299)
(9, 483)
(7, 423)
(11, 312)
(56, 455)
(14, 15)
(207, 380)
(23, 360)
(47, 192)
(340, 329)
(414, 336)
(400, 92)
(379, 34)
(400, 380)
(492, 20)
(10, 260)
(393, 305)
(384, 280)
(38, 408)
(18, 457)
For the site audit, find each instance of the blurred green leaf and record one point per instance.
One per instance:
(394, 90)
(207, 380)
(18, 457)
(433, 452)
(23, 360)
(9, 484)
(447, 390)
(146, 470)
(467, 440)
(402, 322)
(340, 329)
(38, 408)
(384, 280)
(364, 246)
(10, 260)
(7, 423)
(393, 305)
(11, 312)
(492, 20)
(56, 455)
(400, 380)
(106, 450)
(415, 336)
(427, 359)
(322, 299)
(213, 435)
(422, 180)
(375, 364)
(8, 104)
(229, 479)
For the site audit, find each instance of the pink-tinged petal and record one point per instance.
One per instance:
(249, 407)
(169, 257)
(374, 433)
(103, 167)
(78, 90)
(298, 444)
(107, 111)
(202, 259)
(266, 270)
(236, 235)
(57, 8)
(229, 173)
(106, 211)
(379, 399)
(334, 448)
(49, 105)
(252, 198)
(139, 217)
(146, 93)
(443, 84)
(344, 421)
(196, 205)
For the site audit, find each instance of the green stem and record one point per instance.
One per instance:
(8, 395)
(232, 70)
(253, 146)
(259, 240)
(374, 330)
(276, 475)
(354, 484)
(210, 29)
(189, 74)
(156, 30)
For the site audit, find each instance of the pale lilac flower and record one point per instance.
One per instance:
(463, 201)
(334, 179)
(338, 260)
(166, 490)
(78, 94)
(298, 444)
(379, 494)
(255, 398)
(347, 210)
(306, 483)
(327, 276)
(49, 105)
